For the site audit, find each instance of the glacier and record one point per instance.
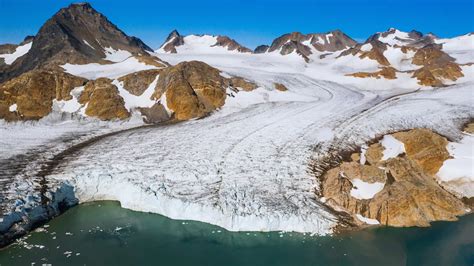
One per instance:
(246, 167)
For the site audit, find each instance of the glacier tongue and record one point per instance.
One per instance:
(245, 170)
(245, 167)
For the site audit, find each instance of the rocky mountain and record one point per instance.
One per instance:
(406, 52)
(396, 37)
(176, 43)
(77, 34)
(308, 44)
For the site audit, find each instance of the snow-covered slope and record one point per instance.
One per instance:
(201, 44)
(19, 51)
(461, 48)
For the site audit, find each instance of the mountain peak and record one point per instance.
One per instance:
(77, 34)
(200, 42)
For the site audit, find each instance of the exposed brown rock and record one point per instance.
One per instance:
(384, 72)
(193, 89)
(151, 60)
(280, 87)
(241, 83)
(34, 91)
(231, 44)
(155, 114)
(426, 148)
(374, 153)
(103, 100)
(437, 66)
(174, 39)
(376, 53)
(410, 197)
(434, 74)
(469, 128)
(136, 83)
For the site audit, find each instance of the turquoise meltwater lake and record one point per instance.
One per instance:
(103, 233)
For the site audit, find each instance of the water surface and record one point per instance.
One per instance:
(103, 233)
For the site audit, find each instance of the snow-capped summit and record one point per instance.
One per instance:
(200, 44)
(394, 37)
(77, 34)
(307, 44)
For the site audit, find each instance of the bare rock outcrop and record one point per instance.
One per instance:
(137, 82)
(191, 89)
(437, 66)
(231, 44)
(239, 83)
(376, 51)
(103, 100)
(399, 191)
(32, 93)
(384, 72)
(155, 114)
(280, 87)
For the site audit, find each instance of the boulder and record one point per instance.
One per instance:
(103, 100)
(155, 114)
(192, 89)
(241, 84)
(280, 87)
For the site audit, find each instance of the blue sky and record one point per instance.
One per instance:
(250, 22)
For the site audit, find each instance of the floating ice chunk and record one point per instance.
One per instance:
(392, 147)
(365, 190)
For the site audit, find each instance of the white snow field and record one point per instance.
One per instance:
(247, 165)
(19, 51)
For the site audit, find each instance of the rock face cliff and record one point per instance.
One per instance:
(393, 182)
(31, 95)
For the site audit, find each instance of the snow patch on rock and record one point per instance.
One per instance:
(365, 190)
(19, 51)
(392, 147)
(116, 55)
(13, 108)
(134, 101)
(459, 170)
